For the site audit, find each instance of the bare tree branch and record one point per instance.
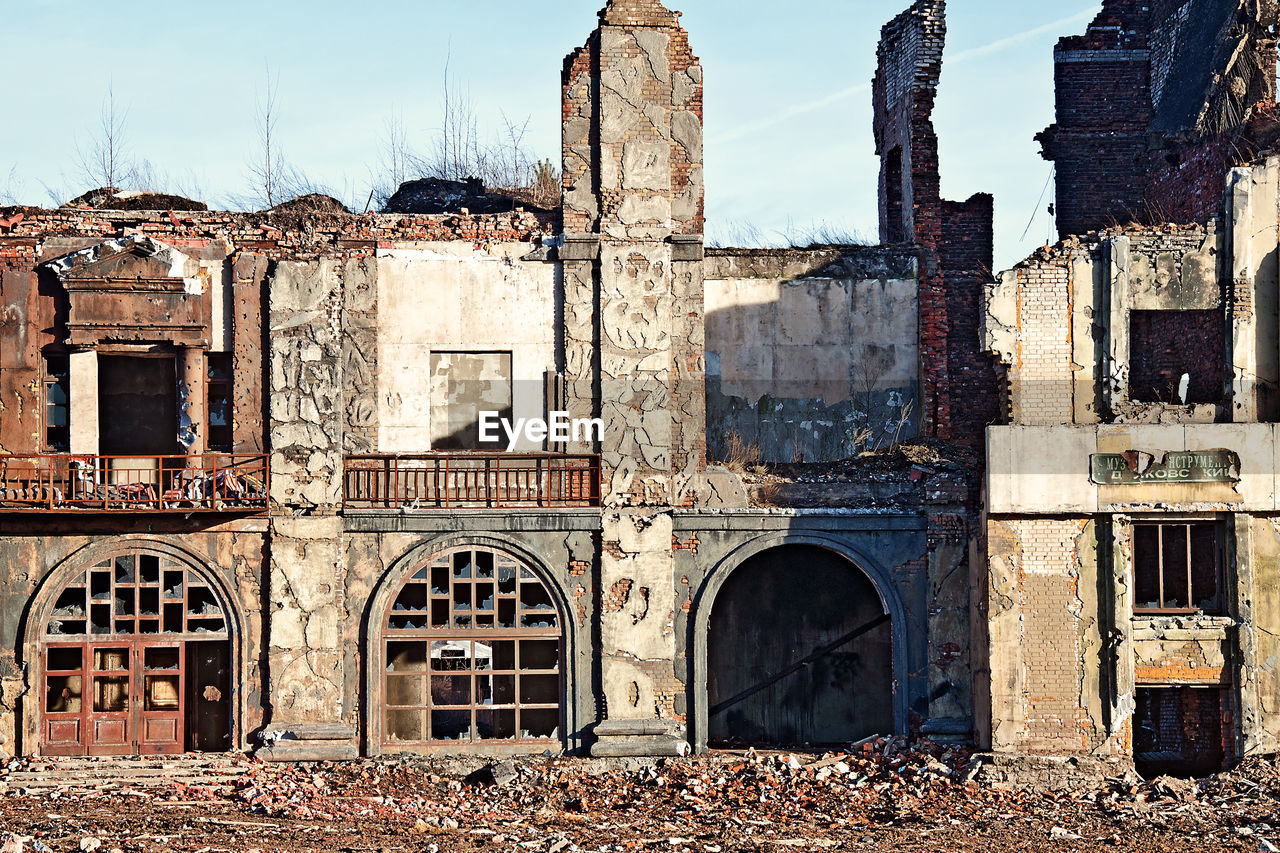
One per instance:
(268, 172)
(12, 188)
(107, 162)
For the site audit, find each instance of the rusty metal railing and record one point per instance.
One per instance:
(460, 480)
(69, 482)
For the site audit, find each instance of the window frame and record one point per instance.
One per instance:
(49, 380)
(1219, 531)
(226, 387)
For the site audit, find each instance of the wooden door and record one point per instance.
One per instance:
(160, 705)
(64, 700)
(110, 718)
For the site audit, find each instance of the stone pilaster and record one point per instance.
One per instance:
(634, 219)
(305, 656)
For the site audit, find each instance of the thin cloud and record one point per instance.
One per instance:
(972, 53)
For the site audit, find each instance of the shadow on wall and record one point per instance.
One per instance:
(810, 368)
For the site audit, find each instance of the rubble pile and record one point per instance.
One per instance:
(884, 794)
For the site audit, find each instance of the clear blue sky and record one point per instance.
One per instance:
(788, 104)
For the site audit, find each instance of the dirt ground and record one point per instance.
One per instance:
(890, 797)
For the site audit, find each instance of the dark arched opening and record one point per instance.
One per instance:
(800, 651)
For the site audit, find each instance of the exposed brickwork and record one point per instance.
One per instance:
(959, 396)
(619, 593)
(1139, 98)
(1048, 585)
(1165, 345)
(690, 545)
(299, 238)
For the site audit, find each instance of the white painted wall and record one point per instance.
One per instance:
(454, 297)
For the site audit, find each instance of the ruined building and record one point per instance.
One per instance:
(255, 493)
(1131, 608)
(960, 395)
(1155, 102)
(248, 501)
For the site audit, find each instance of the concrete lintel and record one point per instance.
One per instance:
(796, 519)
(639, 738)
(580, 247)
(459, 520)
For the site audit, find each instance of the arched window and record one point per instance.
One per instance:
(473, 644)
(136, 660)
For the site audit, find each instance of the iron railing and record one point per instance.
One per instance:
(70, 482)
(460, 480)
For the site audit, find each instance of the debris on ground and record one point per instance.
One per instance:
(885, 794)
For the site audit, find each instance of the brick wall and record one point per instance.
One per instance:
(1140, 95)
(1049, 599)
(959, 388)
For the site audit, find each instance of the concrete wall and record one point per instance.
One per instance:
(811, 355)
(452, 297)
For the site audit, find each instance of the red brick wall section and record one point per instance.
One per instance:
(960, 395)
(1112, 165)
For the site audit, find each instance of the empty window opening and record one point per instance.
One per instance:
(1178, 567)
(136, 661)
(473, 653)
(57, 399)
(894, 201)
(800, 651)
(218, 389)
(137, 406)
(1179, 731)
(463, 385)
(1177, 357)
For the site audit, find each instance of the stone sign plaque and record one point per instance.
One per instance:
(1136, 467)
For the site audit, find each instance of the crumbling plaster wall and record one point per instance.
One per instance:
(812, 355)
(456, 297)
(235, 551)
(633, 217)
(306, 568)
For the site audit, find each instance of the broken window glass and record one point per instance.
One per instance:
(57, 399)
(473, 645)
(218, 387)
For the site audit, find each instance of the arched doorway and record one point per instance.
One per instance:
(799, 650)
(135, 659)
(472, 652)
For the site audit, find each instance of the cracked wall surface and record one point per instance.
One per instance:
(306, 566)
(812, 355)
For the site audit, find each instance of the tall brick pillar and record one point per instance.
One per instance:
(633, 217)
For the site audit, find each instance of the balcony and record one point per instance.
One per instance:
(479, 480)
(174, 484)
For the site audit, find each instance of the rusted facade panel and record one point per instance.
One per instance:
(248, 294)
(21, 394)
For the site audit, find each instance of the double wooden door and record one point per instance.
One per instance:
(115, 698)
